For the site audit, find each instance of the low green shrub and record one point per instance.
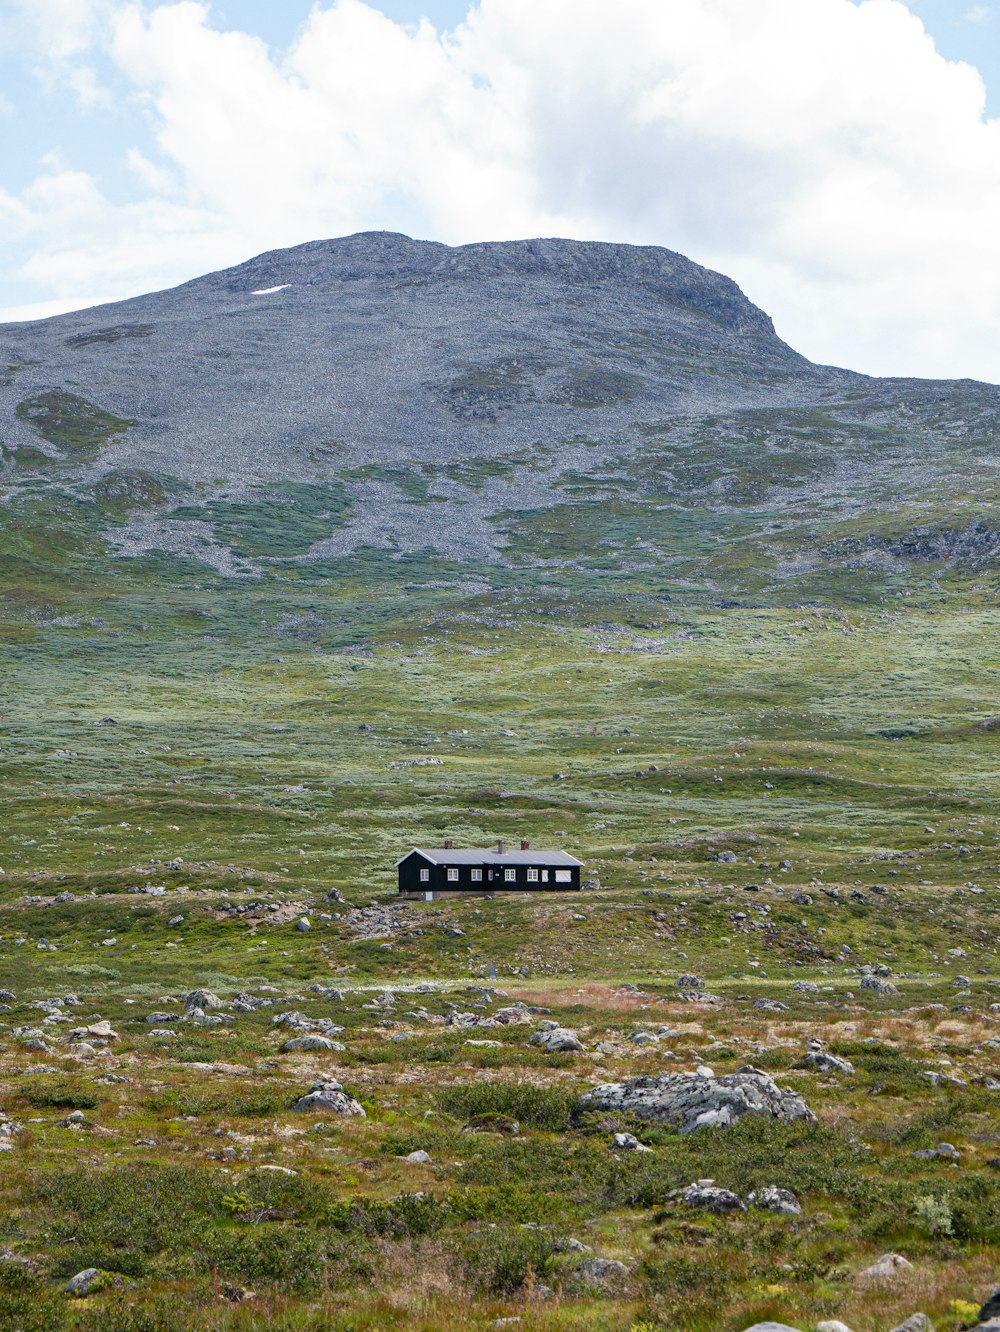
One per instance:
(537, 1107)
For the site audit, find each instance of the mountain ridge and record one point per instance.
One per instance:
(469, 402)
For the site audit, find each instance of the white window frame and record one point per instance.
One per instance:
(477, 875)
(453, 876)
(532, 876)
(564, 876)
(425, 875)
(510, 875)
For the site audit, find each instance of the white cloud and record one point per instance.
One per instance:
(823, 154)
(977, 14)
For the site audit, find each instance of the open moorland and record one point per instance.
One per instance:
(243, 1086)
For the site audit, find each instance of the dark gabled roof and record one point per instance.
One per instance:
(439, 856)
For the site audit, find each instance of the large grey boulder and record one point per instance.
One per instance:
(706, 1196)
(991, 1309)
(918, 1322)
(886, 1268)
(878, 984)
(822, 1061)
(87, 1282)
(775, 1199)
(328, 1094)
(772, 1327)
(557, 1040)
(311, 1042)
(691, 1101)
(202, 999)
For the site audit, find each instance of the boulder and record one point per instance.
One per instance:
(824, 1062)
(691, 1102)
(303, 924)
(917, 1322)
(991, 1309)
(418, 1157)
(878, 984)
(202, 999)
(775, 1199)
(557, 1040)
(832, 1325)
(628, 1142)
(87, 1282)
(706, 1196)
(602, 1271)
(689, 982)
(512, 1015)
(327, 1094)
(311, 1042)
(887, 1267)
(772, 1327)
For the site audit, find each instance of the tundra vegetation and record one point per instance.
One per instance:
(770, 730)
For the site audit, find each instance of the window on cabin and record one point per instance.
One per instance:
(564, 876)
(477, 875)
(425, 875)
(453, 876)
(545, 876)
(510, 875)
(532, 876)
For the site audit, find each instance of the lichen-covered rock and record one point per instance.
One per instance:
(690, 1101)
(824, 1062)
(706, 1196)
(885, 1268)
(628, 1142)
(327, 1094)
(202, 999)
(513, 1015)
(557, 1040)
(775, 1199)
(311, 1042)
(88, 1282)
(878, 984)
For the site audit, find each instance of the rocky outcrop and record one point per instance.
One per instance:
(329, 1095)
(692, 1101)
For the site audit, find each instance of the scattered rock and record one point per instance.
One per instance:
(418, 1157)
(88, 1282)
(917, 1322)
(557, 1040)
(602, 1271)
(885, 1268)
(327, 1094)
(628, 1142)
(878, 984)
(775, 1199)
(706, 1196)
(691, 1102)
(824, 1062)
(991, 1309)
(690, 982)
(311, 1042)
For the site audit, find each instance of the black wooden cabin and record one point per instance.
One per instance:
(432, 873)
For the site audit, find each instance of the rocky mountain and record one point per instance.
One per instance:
(531, 404)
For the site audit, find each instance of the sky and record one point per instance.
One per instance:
(840, 159)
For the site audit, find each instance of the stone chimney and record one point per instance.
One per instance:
(501, 847)
(525, 846)
(449, 845)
